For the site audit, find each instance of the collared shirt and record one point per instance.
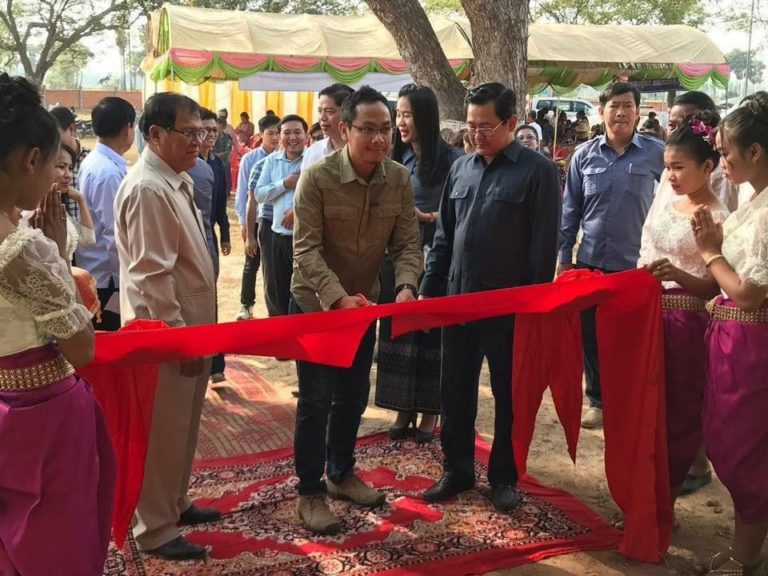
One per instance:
(344, 225)
(100, 176)
(498, 224)
(270, 187)
(317, 152)
(165, 267)
(265, 208)
(219, 214)
(202, 177)
(247, 163)
(609, 196)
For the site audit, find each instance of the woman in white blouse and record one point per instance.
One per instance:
(57, 468)
(668, 251)
(736, 399)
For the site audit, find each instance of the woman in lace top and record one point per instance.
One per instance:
(736, 398)
(668, 251)
(79, 233)
(57, 469)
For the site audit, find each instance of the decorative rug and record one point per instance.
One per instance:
(244, 414)
(260, 533)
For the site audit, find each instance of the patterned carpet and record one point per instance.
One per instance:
(260, 533)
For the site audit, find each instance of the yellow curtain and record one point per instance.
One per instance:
(275, 102)
(240, 102)
(305, 105)
(207, 98)
(170, 85)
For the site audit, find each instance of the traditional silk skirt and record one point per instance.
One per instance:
(736, 406)
(57, 469)
(685, 352)
(408, 368)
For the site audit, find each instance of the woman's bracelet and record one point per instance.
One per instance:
(708, 262)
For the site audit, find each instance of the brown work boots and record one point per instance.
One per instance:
(317, 516)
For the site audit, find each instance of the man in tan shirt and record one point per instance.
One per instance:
(166, 274)
(350, 208)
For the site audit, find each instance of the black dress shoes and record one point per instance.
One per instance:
(179, 549)
(195, 515)
(447, 487)
(505, 497)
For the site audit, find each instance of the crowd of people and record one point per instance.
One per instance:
(364, 207)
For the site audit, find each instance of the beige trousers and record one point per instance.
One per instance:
(172, 445)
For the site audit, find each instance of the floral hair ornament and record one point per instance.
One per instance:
(706, 132)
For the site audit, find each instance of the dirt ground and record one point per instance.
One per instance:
(705, 518)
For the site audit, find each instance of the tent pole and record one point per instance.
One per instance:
(554, 138)
(749, 51)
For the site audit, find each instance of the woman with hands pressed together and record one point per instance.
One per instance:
(736, 398)
(57, 468)
(668, 251)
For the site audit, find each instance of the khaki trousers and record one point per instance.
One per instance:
(172, 445)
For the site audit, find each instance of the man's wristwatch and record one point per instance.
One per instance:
(410, 287)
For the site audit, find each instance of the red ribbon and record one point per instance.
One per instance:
(547, 352)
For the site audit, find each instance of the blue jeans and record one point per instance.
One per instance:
(331, 403)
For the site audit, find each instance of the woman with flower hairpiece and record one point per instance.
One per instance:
(57, 468)
(736, 398)
(668, 251)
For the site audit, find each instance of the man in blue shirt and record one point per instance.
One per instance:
(270, 138)
(277, 185)
(609, 189)
(100, 176)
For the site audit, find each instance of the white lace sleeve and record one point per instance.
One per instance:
(87, 236)
(647, 251)
(756, 263)
(35, 277)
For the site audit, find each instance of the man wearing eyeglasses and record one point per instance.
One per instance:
(166, 273)
(498, 228)
(276, 186)
(351, 207)
(210, 193)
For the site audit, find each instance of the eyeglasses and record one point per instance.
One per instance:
(317, 138)
(191, 135)
(484, 132)
(371, 132)
(211, 132)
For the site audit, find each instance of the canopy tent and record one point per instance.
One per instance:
(198, 45)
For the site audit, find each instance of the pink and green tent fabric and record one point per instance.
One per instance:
(197, 45)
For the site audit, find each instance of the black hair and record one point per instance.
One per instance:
(161, 110)
(363, 95)
(111, 115)
(247, 117)
(618, 89)
(270, 113)
(24, 123)
(206, 114)
(531, 113)
(434, 161)
(526, 127)
(336, 91)
(221, 121)
(696, 136)
(226, 112)
(293, 118)
(748, 124)
(268, 121)
(503, 98)
(315, 127)
(694, 99)
(64, 116)
(71, 152)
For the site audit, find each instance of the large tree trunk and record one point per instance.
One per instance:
(500, 43)
(419, 47)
